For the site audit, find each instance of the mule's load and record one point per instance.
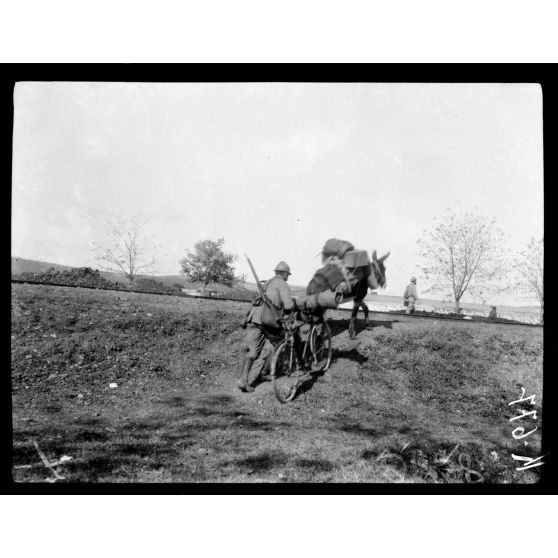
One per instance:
(356, 258)
(343, 253)
(318, 302)
(332, 282)
(335, 248)
(346, 274)
(341, 260)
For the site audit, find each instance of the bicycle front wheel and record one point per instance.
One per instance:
(284, 373)
(320, 346)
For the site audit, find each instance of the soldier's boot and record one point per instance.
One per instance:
(242, 383)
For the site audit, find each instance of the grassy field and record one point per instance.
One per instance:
(410, 400)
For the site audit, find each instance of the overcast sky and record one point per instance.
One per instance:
(275, 169)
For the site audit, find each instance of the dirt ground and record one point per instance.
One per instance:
(409, 400)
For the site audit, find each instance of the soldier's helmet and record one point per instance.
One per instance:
(413, 279)
(282, 266)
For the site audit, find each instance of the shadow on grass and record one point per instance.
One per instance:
(352, 354)
(99, 452)
(314, 465)
(358, 428)
(259, 380)
(388, 324)
(338, 327)
(307, 384)
(120, 449)
(260, 462)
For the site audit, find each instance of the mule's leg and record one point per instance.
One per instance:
(365, 310)
(353, 319)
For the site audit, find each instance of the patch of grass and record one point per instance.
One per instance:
(444, 370)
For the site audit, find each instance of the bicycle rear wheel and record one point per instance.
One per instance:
(320, 345)
(284, 374)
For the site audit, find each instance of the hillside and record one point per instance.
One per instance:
(22, 265)
(141, 388)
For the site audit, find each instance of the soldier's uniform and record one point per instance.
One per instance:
(279, 293)
(410, 296)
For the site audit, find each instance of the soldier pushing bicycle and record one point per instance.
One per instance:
(301, 339)
(262, 321)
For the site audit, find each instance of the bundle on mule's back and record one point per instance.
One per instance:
(334, 275)
(356, 258)
(329, 283)
(344, 267)
(335, 248)
(340, 259)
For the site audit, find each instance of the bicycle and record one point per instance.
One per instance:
(306, 349)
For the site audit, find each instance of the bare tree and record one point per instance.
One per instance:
(464, 252)
(529, 268)
(127, 251)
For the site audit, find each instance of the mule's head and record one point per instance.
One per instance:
(377, 276)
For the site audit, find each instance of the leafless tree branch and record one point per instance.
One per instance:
(127, 250)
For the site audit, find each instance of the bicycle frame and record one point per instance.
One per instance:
(296, 345)
(298, 358)
(302, 349)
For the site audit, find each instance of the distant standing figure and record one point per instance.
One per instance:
(410, 296)
(492, 314)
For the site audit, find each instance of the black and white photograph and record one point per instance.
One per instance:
(277, 282)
